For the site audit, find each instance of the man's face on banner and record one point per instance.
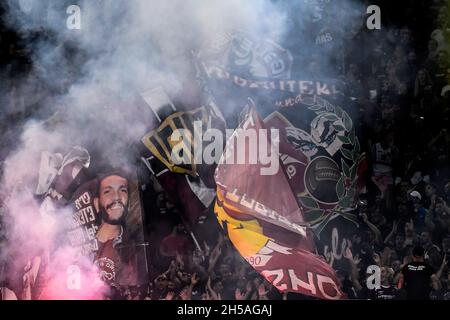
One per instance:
(112, 199)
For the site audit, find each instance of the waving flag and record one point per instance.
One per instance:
(319, 147)
(264, 222)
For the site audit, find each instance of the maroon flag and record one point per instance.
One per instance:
(259, 212)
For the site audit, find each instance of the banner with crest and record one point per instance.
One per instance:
(320, 151)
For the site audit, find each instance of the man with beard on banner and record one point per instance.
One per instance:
(101, 240)
(95, 229)
(260, 215)
(114, 257)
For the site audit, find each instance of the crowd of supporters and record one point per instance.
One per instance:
(402, 88)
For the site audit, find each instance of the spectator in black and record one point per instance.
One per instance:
(416, 277)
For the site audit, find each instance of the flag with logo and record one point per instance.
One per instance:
(320, 152)
(259, 212)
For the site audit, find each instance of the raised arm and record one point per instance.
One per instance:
(354, 269)
(438, 274)
(373, 228)
(393, 231)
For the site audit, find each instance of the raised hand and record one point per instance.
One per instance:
(184, 294)
(249, 286)
(194, 279)
(377, 259)
(395, 226)
(207, 249)
(238, 295)
(262, 290)
(444, 260)
(348, 254)
(170, 295)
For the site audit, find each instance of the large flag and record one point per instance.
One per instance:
(189, 183)
(318, 141)
(260, 214)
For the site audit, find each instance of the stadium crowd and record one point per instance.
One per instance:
(402, 87)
